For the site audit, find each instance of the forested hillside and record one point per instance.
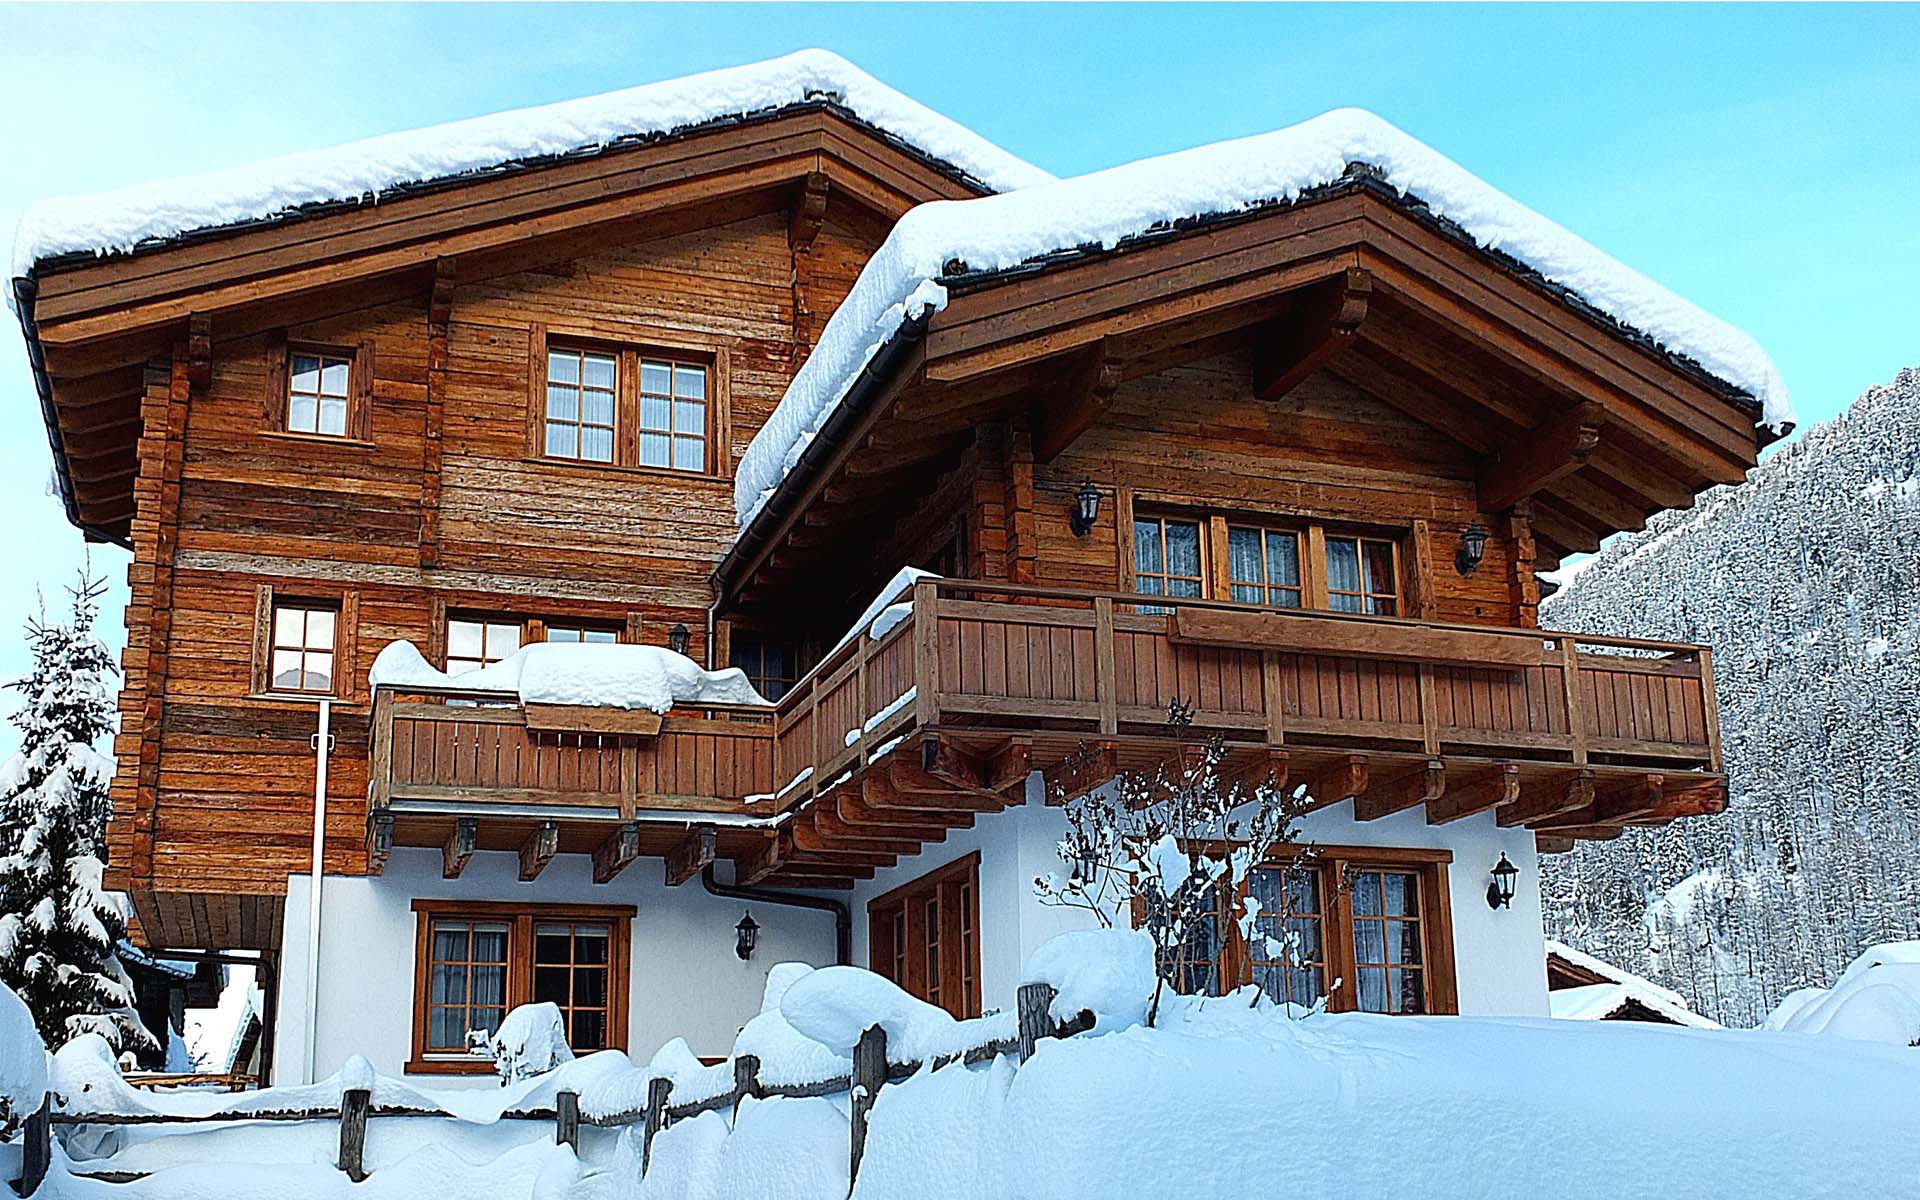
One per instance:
(1806, 583)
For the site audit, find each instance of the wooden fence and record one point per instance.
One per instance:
(873, 1069)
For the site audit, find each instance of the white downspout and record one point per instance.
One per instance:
(322, 745)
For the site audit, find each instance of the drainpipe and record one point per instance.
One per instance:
(842, 916)
(322, 747)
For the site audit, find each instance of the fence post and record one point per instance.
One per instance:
(869, 1075)
(354, 1106)
(657, 1090)
(566, 1119)
(36, 1154)
(1033, 1005)
(746, 1079)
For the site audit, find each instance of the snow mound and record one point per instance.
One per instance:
(1108, 972)
(365, 170)
(599, 674)
(1105, 207)
(531, 1041)
(1876, 999)
(23, 1063)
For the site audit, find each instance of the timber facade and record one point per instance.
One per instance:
(1244, 468)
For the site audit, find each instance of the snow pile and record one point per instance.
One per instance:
(1876, 999)
(1107, 972)
(23, 1063)
(1596, 1002)
(531, 1041)
(600, 674)
(364, 170)
(833, 1006)
(1105, 207)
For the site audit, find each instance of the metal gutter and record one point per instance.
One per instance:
(842, 915)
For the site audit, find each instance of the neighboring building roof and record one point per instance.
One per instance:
(369, 170)
(937, 245)
(137, 958)
(1584, 988)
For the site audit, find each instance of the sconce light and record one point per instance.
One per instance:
(678, 638)
(746, 935)
(1473, 549)
(1086, 509)
(1086, 864)
(1500, 891)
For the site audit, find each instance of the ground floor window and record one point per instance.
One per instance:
(1366, 927)
(478, 961)
(925, 936)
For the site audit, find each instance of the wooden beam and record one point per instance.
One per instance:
(1557, 449)
(1292, 348)
(616, 852)
(538, 850)
(808, 839)
(827, 819)
(756, 865)
(692, 855)
(1343, 778)
(1094, 764)
(809, 211)
(1422, 785)
(1548, 800)
(458, 847)
(1547, 843)
(1084, 394)
(854, 810)
(1464, 798)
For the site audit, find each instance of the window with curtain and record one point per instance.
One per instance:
(1276, 565)
(1168, 554)
(581, 399)
(303, 646)
(673, 414)
(1264, 566)
(771, 665)
(319, 392)
(1362, 576)
(475, 640)
(466, 981)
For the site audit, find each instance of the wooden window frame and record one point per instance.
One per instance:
(625, 627)
(346, 608)
(520, 920)
(795, 647)
(901, 911)
(1216, 568)
(628, 353)
(1336, 916)
(359, 426)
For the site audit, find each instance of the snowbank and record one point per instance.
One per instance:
(23, 1063)
(120, 220)
(1107, 972)
(601, 674)
(1105, 207)
(1876, 999)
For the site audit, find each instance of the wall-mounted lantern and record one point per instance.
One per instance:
(745, 936)
(1086, 509)
(1473, 549)
(679, 638)
(1500, 891)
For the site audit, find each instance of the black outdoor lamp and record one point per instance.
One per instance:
(1086, 509)
(746, 934)
(1473, 548)
(1086, 863)
(679, 638)
(1500, 891)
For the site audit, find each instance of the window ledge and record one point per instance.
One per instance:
(318, 439)
(624, 469)
(301, 698)
(448, 1066)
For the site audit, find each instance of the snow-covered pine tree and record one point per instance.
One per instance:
(58, 925)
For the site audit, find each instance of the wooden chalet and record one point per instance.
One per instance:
(1242, 464)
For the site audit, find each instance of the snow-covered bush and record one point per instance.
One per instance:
(58, 924)
(531, 1041)
(1876, 999)
(23, 1064)
(1172, 847)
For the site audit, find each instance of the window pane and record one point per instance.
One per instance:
(333, 377)
(596, 444)
(1243, 557)
(563, 366)
(1283, 558)
(1183, 548)
(487, 1019)
(655, 449)
(1408, 990)
(1303, 891)
(1343, 565)
(306, 373)
(689, 417)
(599, 371)
(490, 943)
(656, 378)
(690, 381)
(1183, 587)
(590, 987)
(1380, 567)
(599, 635)
(589, 945)
(445, 1028)
(655, 414)
(589, 1031)
(1369, 946)
(449, 940)
(463, 639)
(562, 441)
(1403, 942)
(448, 986)
(553, 944)
(286, 669)
(1373, 990)
(320, 629)
(502, 640)
(597, 408)
(551, 985)
(563, 404)
(1402, 894)
(319, 676)
(1305, 932)
(1366, 894)
(689, 454)
(302, 414)
(333, 417)
(1146, 546)
(289, 626)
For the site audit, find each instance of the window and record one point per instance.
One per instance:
(477, 640)
(477, 962)
(772, 666)
(320, 391)
(1373, 919)
(925, 936)
(301, 653)
(626, 407)
(1304, 566)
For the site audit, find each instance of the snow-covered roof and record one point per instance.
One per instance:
(122, 219)
(1596, 1002)
(1104, 208)
(1876, 999)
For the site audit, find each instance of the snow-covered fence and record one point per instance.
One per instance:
(872, 1069)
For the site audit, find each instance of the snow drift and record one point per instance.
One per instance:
(1876, 999)
(601, 674)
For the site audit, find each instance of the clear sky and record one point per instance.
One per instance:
(1762, 161)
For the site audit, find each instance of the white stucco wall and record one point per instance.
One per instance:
(686, 979)
(1499, 957)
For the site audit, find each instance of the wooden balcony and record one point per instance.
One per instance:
(893, 740)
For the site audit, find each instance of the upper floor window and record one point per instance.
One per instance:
(1363, 575)
(321, 391)
(1264, 566)
(302, 648)
(1303, 566)
(771, 665)
(1167, 557)
(629, 408)
(476, 640)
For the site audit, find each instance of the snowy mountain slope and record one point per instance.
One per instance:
(1806, 582)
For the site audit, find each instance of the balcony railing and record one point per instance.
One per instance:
(977, 657)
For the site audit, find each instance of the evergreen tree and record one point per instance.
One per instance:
(58, 926)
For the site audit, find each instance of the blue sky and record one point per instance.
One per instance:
(1760, 160)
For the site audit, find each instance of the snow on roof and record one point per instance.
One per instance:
(122, 219)
(1106, 207)
(1597, 1001)
(1876, 999)
(601, 675)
